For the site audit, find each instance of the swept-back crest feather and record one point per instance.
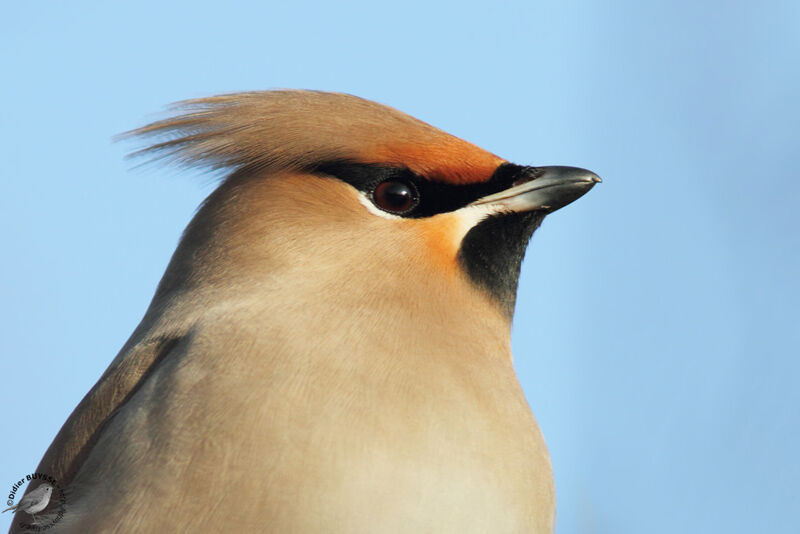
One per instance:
(291, 129)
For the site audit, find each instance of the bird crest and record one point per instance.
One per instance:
(290, 130)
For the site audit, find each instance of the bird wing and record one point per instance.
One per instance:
(29, 499)
(123, 377)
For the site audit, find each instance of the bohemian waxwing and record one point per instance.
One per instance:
(329, 348)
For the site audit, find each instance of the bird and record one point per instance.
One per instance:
(328, 349)
(34, 502)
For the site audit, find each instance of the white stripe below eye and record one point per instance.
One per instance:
(468, 216)
(375, 210)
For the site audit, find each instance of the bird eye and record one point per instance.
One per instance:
(395, 197)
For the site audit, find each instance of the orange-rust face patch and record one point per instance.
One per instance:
(450, 161)
(441, 236)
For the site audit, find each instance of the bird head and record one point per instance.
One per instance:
(327, 190)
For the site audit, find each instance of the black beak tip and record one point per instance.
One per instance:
(571, 174)
(565, 185)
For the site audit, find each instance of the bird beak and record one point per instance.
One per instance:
(542, 189)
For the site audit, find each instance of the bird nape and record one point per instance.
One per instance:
(329, 347)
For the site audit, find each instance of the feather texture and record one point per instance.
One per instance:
(292, 130)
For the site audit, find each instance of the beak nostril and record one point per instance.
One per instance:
(529, 174)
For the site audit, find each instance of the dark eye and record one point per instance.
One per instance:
(395, 197)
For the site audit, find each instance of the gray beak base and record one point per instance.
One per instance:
(543, 189)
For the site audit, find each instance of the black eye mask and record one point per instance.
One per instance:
(432, 197)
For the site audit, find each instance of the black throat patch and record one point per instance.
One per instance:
(492, 251)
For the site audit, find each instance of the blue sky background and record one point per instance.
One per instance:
(656, 333)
